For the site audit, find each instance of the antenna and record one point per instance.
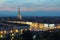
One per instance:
(19, 15)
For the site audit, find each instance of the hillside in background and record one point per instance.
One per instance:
(34, 13)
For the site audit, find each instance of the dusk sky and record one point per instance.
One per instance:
(30, 5)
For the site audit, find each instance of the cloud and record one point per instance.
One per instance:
(30, 5)
(46, 3)
(2, 1)
(40, 8)
(7, 9)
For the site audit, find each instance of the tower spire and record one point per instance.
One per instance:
(19, 15)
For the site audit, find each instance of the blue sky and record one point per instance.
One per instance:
(30, 5)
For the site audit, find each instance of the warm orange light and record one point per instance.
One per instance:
(1, 32)
(17, 31)
(29, 23)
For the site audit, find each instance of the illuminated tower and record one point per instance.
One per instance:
(19, 15)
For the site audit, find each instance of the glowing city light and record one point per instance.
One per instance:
(45, 25)
(13, 35)
(51, 26)
(25, 29)
(30, 29)
(29, 23)
(21, 30)
(1, 36)
(11, 31)
(12, 38)
(5, 32)
(18, 22)
(1, 32)
(17, 31)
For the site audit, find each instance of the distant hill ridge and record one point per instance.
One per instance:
(34, 13)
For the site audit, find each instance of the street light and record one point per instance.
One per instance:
(11, 31)
(5, 32)
(1, 36)
(17, 31)
(1, 32)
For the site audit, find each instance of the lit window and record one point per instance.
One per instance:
(45, 25)
(51, 25)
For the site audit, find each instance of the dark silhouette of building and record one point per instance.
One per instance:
(27, 35)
